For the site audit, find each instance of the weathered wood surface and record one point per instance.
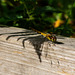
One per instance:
(24, 52)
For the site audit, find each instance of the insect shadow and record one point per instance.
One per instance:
(35, 40)
(57, 42)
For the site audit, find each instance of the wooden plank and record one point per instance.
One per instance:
(24, 52)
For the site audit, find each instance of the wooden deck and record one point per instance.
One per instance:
(24, 52)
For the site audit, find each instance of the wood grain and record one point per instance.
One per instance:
(24, 52)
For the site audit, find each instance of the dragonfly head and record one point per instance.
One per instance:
(53, 38)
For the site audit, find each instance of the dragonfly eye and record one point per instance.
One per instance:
(54, 38)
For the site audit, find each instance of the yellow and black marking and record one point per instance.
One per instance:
(48, 36)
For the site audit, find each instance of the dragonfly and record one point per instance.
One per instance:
(50, 37)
